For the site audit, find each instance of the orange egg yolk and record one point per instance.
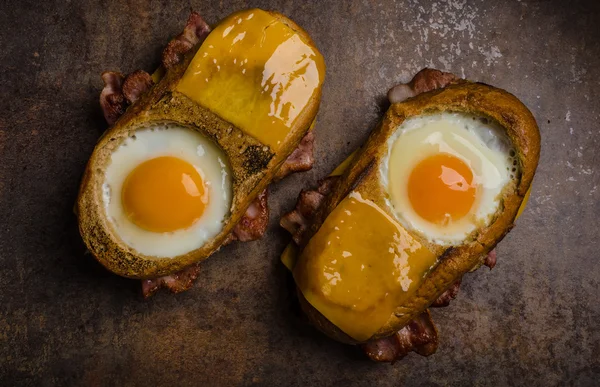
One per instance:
(164, 194)
(440, 188)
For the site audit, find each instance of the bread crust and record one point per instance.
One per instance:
(466, 97)
(253, 167)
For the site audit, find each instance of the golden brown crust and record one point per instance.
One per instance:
(253, 166)
(467, 97)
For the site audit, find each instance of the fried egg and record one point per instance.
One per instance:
(444, 174)
(167, 190)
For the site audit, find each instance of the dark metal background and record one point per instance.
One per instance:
(533, 320)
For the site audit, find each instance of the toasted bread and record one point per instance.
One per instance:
(253, 162)
(451, 262)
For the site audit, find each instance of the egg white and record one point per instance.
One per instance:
(169, 139)
(480, 143)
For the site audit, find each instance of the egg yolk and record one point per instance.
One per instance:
(440, 188)
(164, 194)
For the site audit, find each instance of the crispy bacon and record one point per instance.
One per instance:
(254, 223)
(419, 335)
(176, 283)
(195, 31)
(300, 160)
(308, 201)
(136, 84)
(119, 92)
(112, 100)
(424, 81)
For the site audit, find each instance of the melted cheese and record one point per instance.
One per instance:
(257, 73)
(360, 266)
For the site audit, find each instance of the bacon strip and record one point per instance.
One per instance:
(297, 221)
(301, 159)
(195, 31)
(176, 283)
(135, 85)
(112, 100)
(419, 335)
(254, 223)
(424, 81)
(119, 92)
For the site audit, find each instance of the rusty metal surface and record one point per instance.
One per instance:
(533, 320)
